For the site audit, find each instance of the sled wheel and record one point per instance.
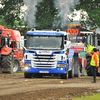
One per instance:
(88, 67)
(71, 72)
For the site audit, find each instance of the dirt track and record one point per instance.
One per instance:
(16, 87)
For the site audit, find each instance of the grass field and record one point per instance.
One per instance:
(92, 97)
(18, 73)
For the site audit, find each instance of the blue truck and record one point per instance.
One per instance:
(49, 53)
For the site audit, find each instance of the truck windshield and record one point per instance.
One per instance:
(76, 39)
(2, 42)
(44, 42)
(73, 38)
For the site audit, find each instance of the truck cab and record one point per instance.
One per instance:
(45, 54)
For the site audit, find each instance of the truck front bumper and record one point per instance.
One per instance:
(60, 70)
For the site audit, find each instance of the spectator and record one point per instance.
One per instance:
(79, 41)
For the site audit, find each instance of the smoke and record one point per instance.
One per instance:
(30, 12)
(64, 9)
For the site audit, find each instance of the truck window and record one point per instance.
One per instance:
(93, 37)
(99, 43)
(73, 38)
(18, 45)
(89, 40)
(2, 42)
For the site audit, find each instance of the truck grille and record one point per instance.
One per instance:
(44, 61)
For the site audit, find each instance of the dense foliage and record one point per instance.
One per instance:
(46, 14)
(10, 11)
(92, 7)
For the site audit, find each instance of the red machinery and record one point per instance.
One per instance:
(11, 52)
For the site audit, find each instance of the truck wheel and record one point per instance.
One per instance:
(64, 76)
(27, 75)
(88, 67)
(77, 70)
(16, 65)
(83, 71)
(7, 63)
(71, 72)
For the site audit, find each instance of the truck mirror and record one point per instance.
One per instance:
(68, 44)
(65, 41)
(13, 43)
(23, 50)
(5, 41)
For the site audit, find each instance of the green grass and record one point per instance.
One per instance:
(92, 97)
(85, 74)
(18, 73)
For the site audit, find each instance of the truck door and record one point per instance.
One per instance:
(20, 51)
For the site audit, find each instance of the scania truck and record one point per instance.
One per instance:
(47, 53)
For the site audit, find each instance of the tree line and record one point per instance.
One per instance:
(46, 14)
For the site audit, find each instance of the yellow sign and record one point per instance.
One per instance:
(71, 25)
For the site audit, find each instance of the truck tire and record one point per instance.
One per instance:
(16, 65)
(27, 75)
(83, 71)
(88, 67)
(7, 63)
(71, 72)
(78, 71)
(64, 76)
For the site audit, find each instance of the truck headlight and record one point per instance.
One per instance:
(60, 65)
(26, 68)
